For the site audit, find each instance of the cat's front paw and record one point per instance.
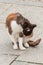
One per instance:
(26, 45)
(15, 47)
(22, 48)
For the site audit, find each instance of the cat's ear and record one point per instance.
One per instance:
(20, 19)
(18, 14)
(34, 25)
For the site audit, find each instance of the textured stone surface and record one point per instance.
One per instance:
(6, 59)
(32, 55)
(10, 1)
(4, 7)
(34, 14)
(38, 3)
(22, 63)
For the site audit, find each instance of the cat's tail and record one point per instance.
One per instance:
(34, 43)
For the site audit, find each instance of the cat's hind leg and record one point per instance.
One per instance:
(14, 41)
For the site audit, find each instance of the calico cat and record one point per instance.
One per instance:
(19, 28)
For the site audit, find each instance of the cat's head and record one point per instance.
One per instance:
(28, 28)
(26, 25)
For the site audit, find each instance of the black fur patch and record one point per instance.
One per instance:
(26, 33)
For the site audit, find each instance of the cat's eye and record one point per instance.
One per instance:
(28, 30)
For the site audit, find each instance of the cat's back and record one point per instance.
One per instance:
(11, 23)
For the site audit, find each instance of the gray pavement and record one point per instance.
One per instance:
(33, 11)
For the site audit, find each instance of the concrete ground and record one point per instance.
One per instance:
(32, 10)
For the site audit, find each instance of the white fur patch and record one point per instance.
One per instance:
(16, 27)
(21, 43)
(26, 44)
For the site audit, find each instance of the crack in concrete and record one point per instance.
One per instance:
(14, 60)
(10, 54)
(30, 62)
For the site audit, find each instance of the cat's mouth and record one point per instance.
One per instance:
(31, 35)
